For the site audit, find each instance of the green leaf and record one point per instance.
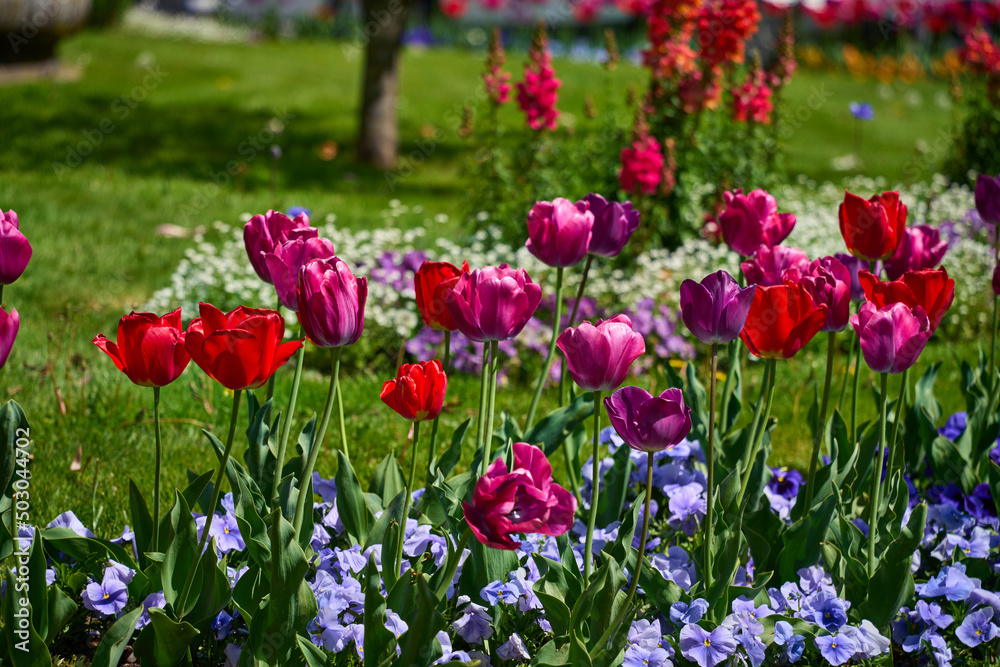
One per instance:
(260, 460)
(27, 649)
(351, 503)
(65, 541)
(142, 522)
(251, 525)
(392, 513)
(291, 604)
(250, 591)
(378, 639)
(892, 584)
(13, 425)
(423, 621)
(612, 498)
(578, 654)
(696, 398)
(764, 532)
(551, 654)
(556, 426)
(37, 592)
(215, 591)
(388, 480)
(483, 566)
(61, 611)
(199, 490)
(803, 539)
(116, 639)
(453, 454)
(313, 655)
(181, 555)
(171, 640)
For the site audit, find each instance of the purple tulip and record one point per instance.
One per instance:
(988, 198)
(263, 233)
(891, 338)
(996, 280)
(331, 302)
(752, 220)
(493, 303)
(854, 266)
(599, 357)
(920, 248)
(287, 260)
(559, 231)
(828, 281)
(775, 265)
(715, 309)
(9, 324)
(15, 251)
(649, 423)
(614, 225)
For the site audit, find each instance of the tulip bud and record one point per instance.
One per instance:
(15, 251)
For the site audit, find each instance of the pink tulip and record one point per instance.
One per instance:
(331, 302)
(15, 251)
(828, 282)
(287, 260)
(773, 266)
(752, 220)
(263, 233)
(9, 324)
(599, 357)
(522, 500)
(920, 248)
(893, 337)
(559, 231)
(649, 423)
(493, 303)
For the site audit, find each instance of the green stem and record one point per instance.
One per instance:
(710, 465)
(340, 414)
(483, 397)
(408, 500)
(727, 387)
(270, 381)
(757, 411)
(572, 321)
(434, 424)
(530, 419)
(317, 442)
(158, 466)
(900, 415)
(847, 371)
(595, 493)
(571, 472)
(759, 436)
(854, 397)
(488, 436)
(831, 353)
(182, 598)
(286, 427)
(453, 564)
(873, 510)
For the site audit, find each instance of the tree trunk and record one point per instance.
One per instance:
(378, 143)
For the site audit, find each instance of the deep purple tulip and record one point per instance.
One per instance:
(15, 251)
(331, 302)
(649, 423)
(599, 357)
(9, 324)
(715, 309)
(614, 225)
(920, 248)
(996, 280)
(263, 233)
(854, 266)
(828, 281)
(287, 260)
(988, 198)
(773, 266)
(493, 303)
(752, 220)
(891, 338)
(559, 231)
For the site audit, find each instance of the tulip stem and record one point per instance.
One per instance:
(831, 354)
(206, 531)
(847, 371)
(854, 396)
(900, 412)
(453, 563)
(286, 427)
(270, 381)
(572, 321)
(557, 316)
(488, 436)
(709, 464)
(757, 411)
(317, 443)
(434, 424)
(873, 510)
(759, 435)
(727, 387)
(595, 492)
(158, 466)
(483, 396)
(407, 501)
(340, 414)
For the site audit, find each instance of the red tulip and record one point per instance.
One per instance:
(240, 349)
(417, 391)
(931, 289)
(782, 319)
(150, 349)
(432, 282)
(872, 228)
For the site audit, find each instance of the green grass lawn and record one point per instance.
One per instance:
(95, 165)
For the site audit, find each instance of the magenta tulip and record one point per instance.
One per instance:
(286, 261)
(9, 324)
(331, 302)
(599, 357)
(988, 198)
(559, 232)
(263, 233)
(521, 500)
(614, 225)
(752, 220)
(828, 282)
(773, 266)
(893, 337)
(715, 309)
(996, 280)
(920, 248)
(15, 251)
(649, 423)
(493, 303)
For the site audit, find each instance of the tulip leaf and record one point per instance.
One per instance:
(288, 496)
(892, 584)
(736, 397)
(551, 654)
(578, 654)
(313, 655)
(291, 603)
(483, 566)
(993, 475)
(727, 561)
(116, 639)
(180, 556)
(25, 648)
(555, 580)
(922, 418)
(354, 512)
(764, 532)
(378, 639)
(13, 427)
(37, 587)
(556, 426)
(61, 540)
(660, 591)
(453, 454)
(803, 539)
(171, 641)
(249, 592)
(62, 609)
(621, 549)
(259, 458)
(608, 602)
(251, 525)
(215, 592)
(509, 430)
(388, 480)
(392, 513)
(615, 491)
(423, 622)
(199, 490)
(867, 448)
(142, 523)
